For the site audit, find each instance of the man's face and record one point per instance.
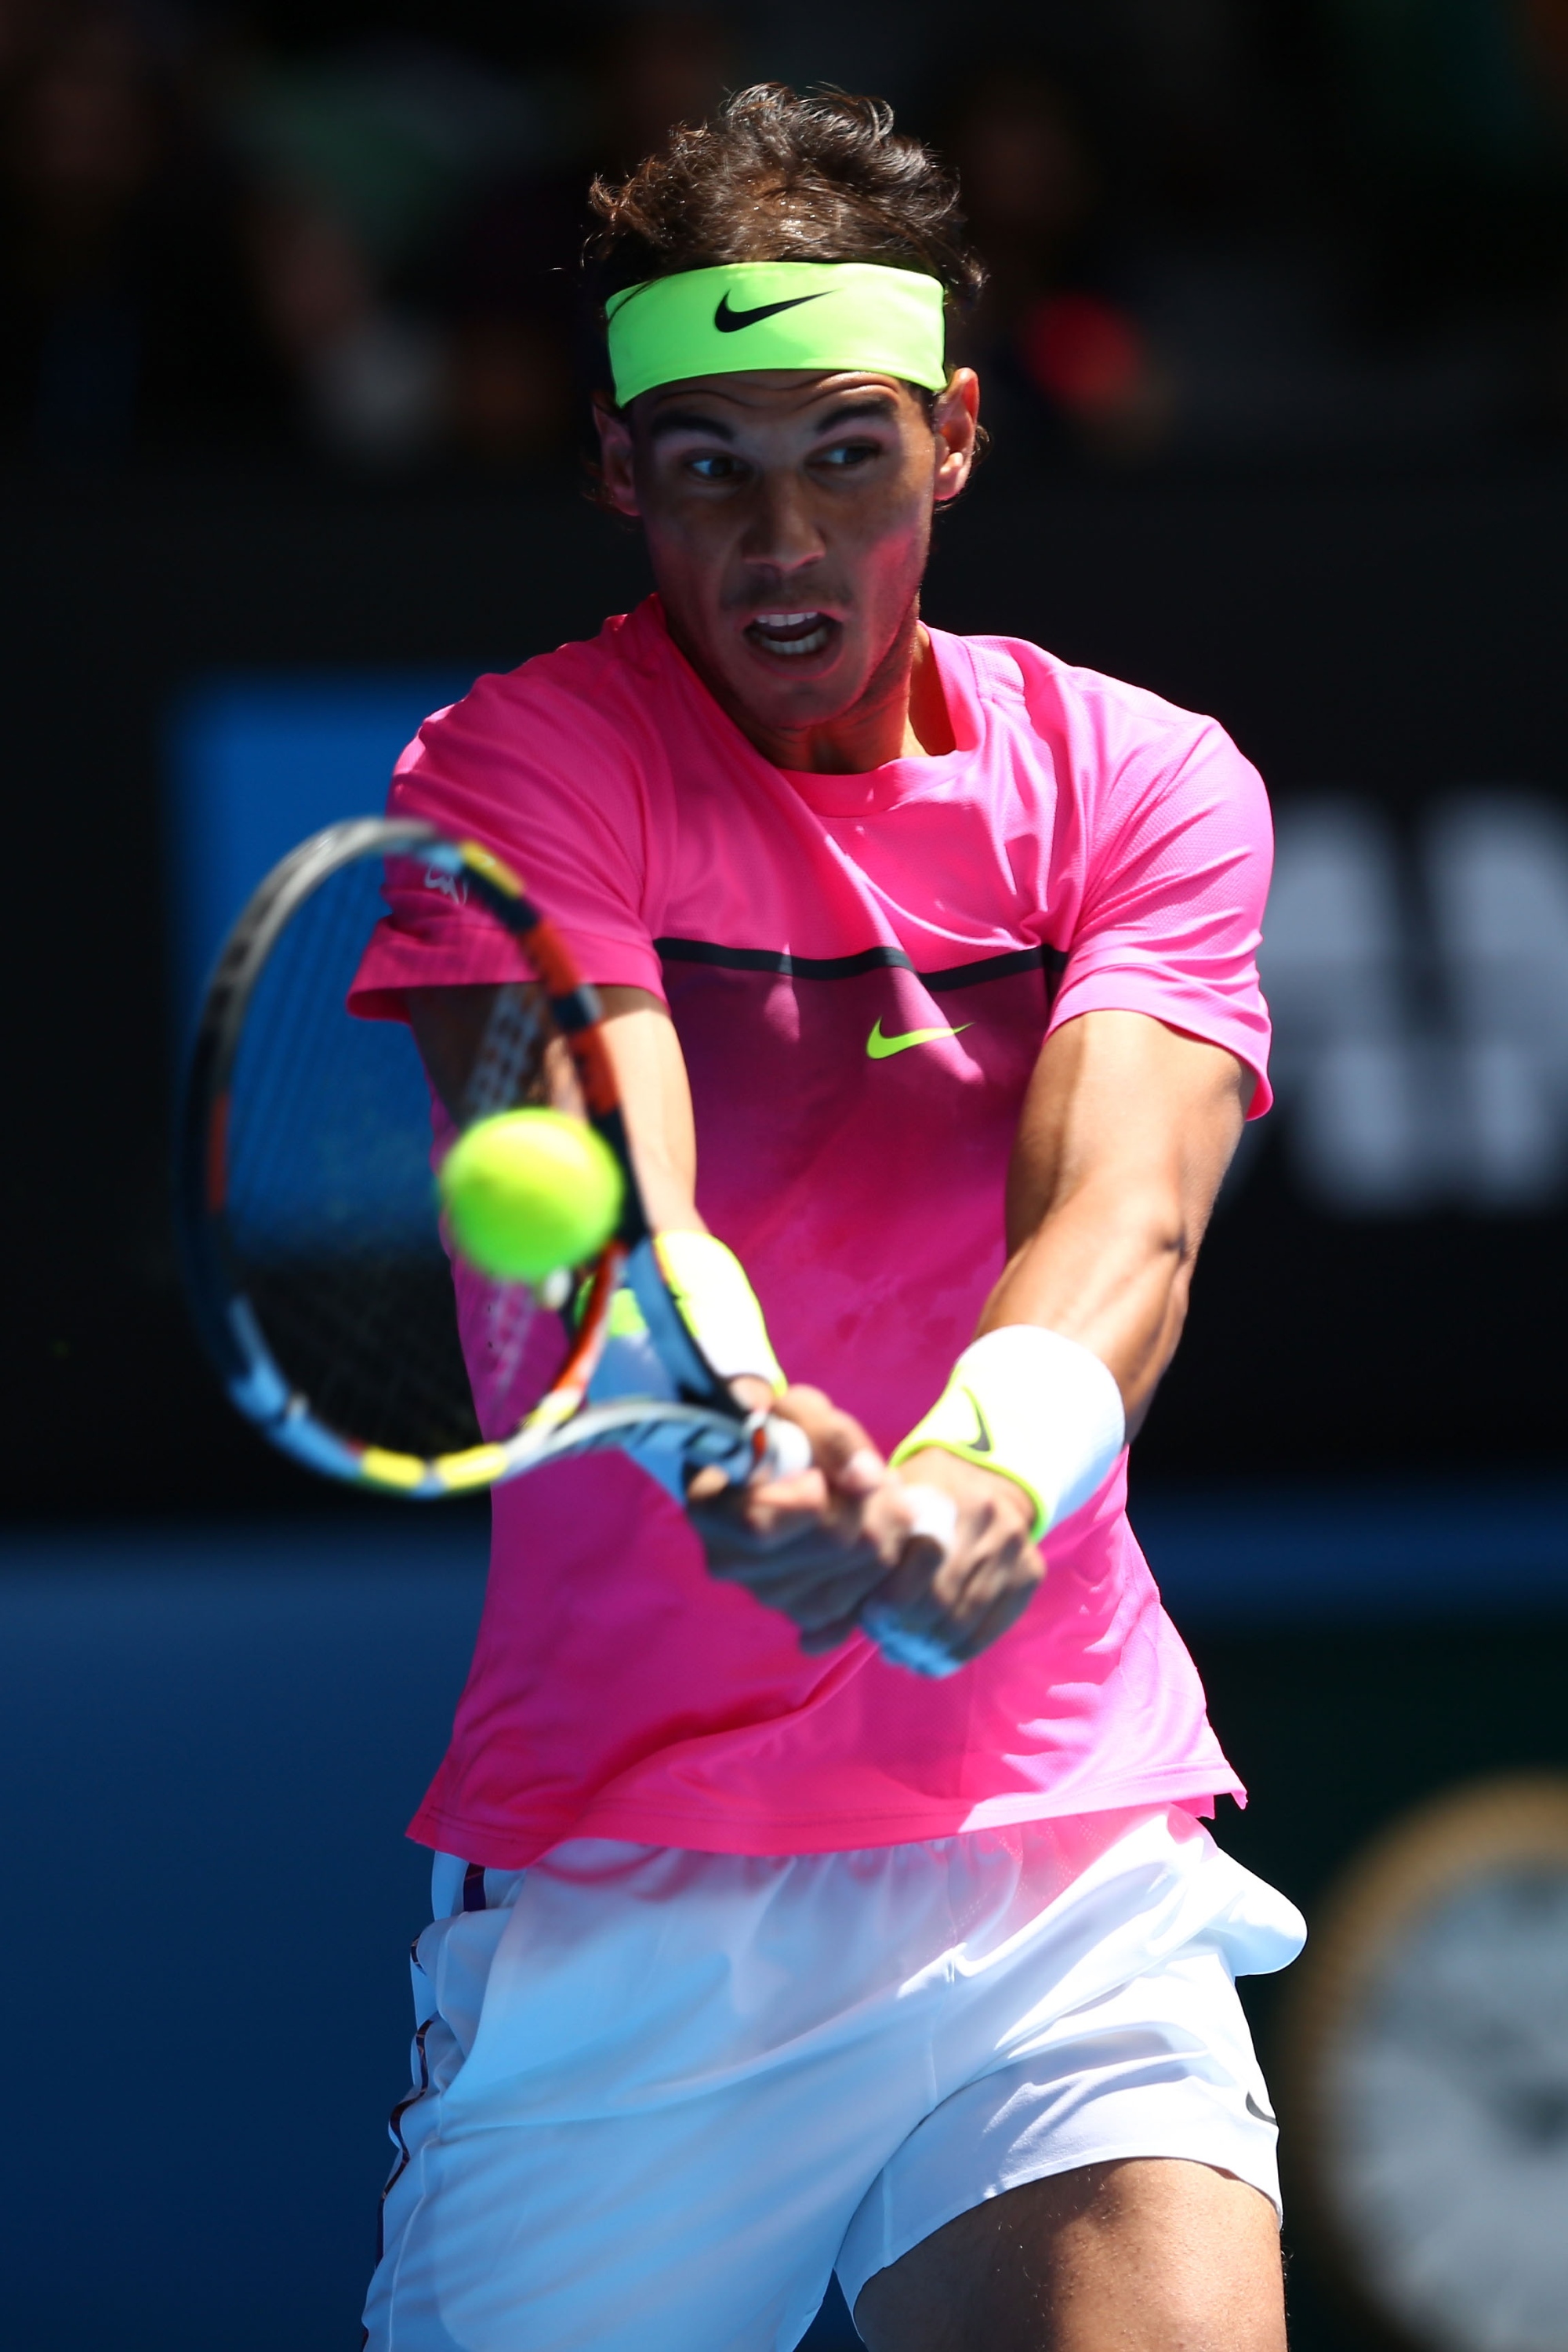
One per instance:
(788, 518)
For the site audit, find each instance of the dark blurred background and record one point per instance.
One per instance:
(293, 378)
(1323, 230)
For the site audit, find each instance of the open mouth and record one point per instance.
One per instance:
(792, 635)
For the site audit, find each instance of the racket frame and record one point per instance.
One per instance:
(703, 1426)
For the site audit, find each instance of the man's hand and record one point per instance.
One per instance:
(847, 1532)
(953, 1599)
(814, 1546)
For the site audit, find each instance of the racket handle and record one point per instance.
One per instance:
(786, 1449)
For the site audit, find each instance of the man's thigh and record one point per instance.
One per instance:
(1150, 2254)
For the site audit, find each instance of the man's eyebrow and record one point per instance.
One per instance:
(687, 420)
(877, 405)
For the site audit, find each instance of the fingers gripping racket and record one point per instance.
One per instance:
(342, 1325)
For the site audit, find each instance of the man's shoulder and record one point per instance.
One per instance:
(1062, 697)
(570, 737)
(578, 725)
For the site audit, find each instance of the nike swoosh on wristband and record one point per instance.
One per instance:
(981, 1445)
(878, 1047)
(730, 322)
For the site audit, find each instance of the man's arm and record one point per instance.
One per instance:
(1127, 1131)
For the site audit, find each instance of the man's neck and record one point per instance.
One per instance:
(902, 715)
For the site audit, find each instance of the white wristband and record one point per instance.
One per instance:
(717, 1306)
(1040, 1409)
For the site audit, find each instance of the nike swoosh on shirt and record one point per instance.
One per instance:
(730, 322)
(1261, 2113)
(878, 1047)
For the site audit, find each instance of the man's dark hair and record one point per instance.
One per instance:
(777, 177)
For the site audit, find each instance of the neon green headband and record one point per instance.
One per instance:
(821, 315)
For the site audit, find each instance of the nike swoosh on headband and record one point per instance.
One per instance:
(878, 1047)
(730, 322)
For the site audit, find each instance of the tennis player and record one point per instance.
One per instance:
(821, 1877)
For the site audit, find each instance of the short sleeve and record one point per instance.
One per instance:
(530, 768)
(1177, 861)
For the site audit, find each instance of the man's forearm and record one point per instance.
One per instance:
(1126, 1134)
(1110, 1268)
(1070, 1348)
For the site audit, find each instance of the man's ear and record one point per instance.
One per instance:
(955, 421)
(614, 428)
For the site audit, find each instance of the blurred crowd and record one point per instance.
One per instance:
(1214, 229)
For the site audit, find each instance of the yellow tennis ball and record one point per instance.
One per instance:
(529, 1191)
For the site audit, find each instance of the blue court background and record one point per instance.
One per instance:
(254, 766)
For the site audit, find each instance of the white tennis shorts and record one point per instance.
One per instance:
(659, 2095)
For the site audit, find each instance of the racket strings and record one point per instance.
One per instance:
(509, 1312)
(508, 1067)
(372, 1344)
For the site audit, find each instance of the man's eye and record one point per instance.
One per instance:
(713, 467)
(844, 454)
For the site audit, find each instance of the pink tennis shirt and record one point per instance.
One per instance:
(1084, 846)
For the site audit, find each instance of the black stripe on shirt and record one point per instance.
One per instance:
(1005, 966)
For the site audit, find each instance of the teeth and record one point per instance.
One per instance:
(811, 645)
(768, 626)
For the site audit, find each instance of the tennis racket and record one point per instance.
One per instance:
(342, 1324)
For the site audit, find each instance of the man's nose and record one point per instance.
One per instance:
(781, 534)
